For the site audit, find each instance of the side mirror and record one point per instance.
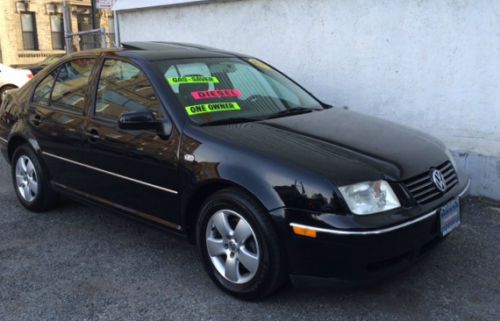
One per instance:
(140, 120)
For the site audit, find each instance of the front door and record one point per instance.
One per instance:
(135, 170)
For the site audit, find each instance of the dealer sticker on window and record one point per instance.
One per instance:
(192, 80)
(211, 94)
(211, 108)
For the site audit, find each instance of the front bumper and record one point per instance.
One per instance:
(345, 255)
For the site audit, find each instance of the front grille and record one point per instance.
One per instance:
(423, 189)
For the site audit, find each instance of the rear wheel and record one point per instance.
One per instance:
(31, 181)
(239, 246)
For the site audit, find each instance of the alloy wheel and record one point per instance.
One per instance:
(26, 179)
(232, 246)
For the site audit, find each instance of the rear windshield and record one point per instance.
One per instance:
(215, 89)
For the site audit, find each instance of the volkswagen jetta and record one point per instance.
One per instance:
(270, 183)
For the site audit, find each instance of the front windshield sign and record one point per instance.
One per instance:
(211, 108)
(211, 90)
(192, 80)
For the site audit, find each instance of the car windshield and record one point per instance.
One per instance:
(224, 90)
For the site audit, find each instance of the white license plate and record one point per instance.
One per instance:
(449, 217)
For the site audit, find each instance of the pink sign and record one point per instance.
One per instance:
(212, 94)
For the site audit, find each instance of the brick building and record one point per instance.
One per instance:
(31, 30)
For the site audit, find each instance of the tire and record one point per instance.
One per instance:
(31, 182)
(259, 269)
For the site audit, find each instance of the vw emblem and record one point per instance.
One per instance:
(439, 180)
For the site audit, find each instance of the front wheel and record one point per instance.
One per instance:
(239, 246)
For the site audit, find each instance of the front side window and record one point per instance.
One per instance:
(28, 27)
(124, 88)
(71, 84)
(213, 90)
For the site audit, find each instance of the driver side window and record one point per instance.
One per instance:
(124, 88)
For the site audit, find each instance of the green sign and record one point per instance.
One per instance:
(192, 80)
(211, 108)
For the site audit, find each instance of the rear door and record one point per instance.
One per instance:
(135, 170)
(57, 116)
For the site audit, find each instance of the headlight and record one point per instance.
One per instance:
(370, 197)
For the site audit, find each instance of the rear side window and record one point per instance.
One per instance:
(71, 85)
(43, 90)
(124, 88)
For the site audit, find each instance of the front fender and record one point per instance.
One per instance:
(273, 183)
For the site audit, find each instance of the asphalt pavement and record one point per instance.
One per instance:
(83, 263)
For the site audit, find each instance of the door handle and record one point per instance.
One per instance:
(93, 135)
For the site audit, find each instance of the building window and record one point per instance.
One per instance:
(56, 28)
(84, 23)
(28, 27)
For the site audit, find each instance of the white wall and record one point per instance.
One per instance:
(433, 65)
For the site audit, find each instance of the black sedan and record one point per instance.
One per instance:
(221, 148)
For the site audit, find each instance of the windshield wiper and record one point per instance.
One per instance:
(286, 112)
(292, 111)
(233, 120)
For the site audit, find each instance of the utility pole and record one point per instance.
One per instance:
(93, 13)
(67, 26)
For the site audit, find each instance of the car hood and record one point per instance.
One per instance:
(343, 146)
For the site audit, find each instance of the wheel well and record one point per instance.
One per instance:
(199, 196)
(14, 143)
(9, 85)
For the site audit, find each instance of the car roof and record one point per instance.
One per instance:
(155, 50)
